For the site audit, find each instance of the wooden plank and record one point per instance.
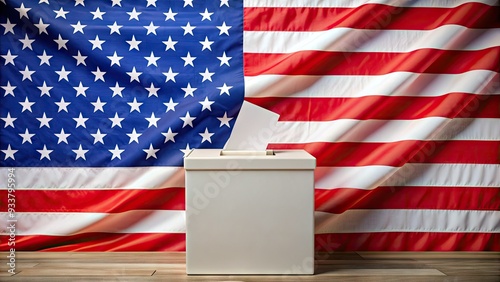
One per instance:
(478, 270)
(337, 256)
(329, 273)
(82, 279)
(124, 278)
(163, 266)
(381, 272)
(19, 265)
(145, 255)
(178, 269)
(254, 279)
(113, 265)
(315, 278)
(84, 272)
(41, 255)
(402, 263)
(444, 262)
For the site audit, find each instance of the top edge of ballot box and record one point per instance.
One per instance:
(218, 159)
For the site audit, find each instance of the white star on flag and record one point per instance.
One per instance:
(9, 153)
(27, 136)
(45, 153)
(206, 136)
(151, 152)
(169, 135)
(80, 153)
(116, 153)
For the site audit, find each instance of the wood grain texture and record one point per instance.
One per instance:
(163, 266)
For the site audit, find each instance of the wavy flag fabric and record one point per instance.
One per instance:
(399, 101)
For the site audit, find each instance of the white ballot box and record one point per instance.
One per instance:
(249, 212)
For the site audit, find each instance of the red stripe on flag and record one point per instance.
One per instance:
(381, 107)
(334, 200)
(399, 153)
(100, 242)
(370, 63)
(409, 197)
(407, 241)
(370, 16)
(105, 201)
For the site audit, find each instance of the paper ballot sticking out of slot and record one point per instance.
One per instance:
(253, 129)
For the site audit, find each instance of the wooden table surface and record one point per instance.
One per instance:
(170, 266)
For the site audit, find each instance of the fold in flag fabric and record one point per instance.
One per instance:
(399, 101)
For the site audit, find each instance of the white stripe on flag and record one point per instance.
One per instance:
(82, 178)
(411, 174)
(351, 130)
(63, 224)
(351, 221)
(397, 220)
(393, 84)
(361, 177)
(356, 3)
(449, 37)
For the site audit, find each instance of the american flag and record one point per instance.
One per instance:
(398, 101)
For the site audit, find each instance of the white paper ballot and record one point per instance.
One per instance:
(253, 129)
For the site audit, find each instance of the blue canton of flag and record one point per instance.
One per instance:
(117, 83)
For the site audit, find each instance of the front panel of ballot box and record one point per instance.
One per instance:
(249, 213)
